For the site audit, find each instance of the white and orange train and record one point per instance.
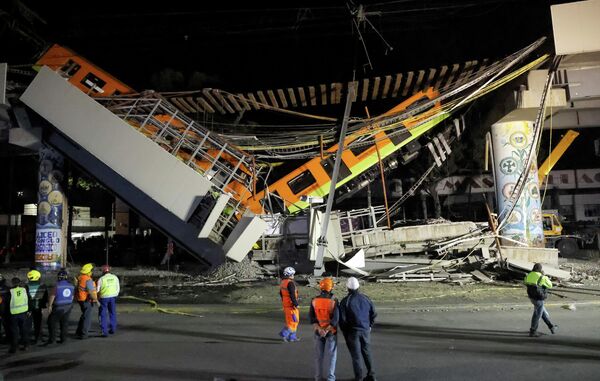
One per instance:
(313, 178)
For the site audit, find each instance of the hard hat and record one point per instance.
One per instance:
(326, 284)
(62, 275)
(87, 268)
(34, 275)
(352, 283)
(105, 268)
(289, 271)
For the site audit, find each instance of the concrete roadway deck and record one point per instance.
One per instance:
(467, 342)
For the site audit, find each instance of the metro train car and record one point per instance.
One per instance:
(82, 73)
(314, 177)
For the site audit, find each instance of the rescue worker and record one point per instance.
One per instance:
(4, 309)
(86, 297)
(108, 289)
(289, 299)
(537, 285)
(324, 317)
(60, 302)
(39, 297)
(357, 316)
(20, 304)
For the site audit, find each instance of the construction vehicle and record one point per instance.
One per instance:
(568, 244)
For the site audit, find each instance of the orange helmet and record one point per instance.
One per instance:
(326, 284)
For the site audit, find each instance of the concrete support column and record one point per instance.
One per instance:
(511, 143)
(50, 242)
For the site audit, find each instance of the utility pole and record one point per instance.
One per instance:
(322, 240)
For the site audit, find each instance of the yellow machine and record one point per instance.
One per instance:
(556, 154)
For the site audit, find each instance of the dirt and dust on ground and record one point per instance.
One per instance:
(249, 283)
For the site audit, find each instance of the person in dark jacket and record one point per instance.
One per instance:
(357, 316)
(537, 285)
(4, 309)
(39, 298)
(60, 301)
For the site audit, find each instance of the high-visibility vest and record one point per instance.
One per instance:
(82, 293)
(536, 278)
(285, 294)
(18, 300)
(323, 308)
(36, 291)
(109, 287)
(64, 293)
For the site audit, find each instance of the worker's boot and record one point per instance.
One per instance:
(285, 333)
(533, 333)
(292, 337)
(553, 328)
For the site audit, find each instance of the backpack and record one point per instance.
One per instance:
(537, 292)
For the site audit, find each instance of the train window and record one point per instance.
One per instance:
(301, 182)
(92, 82)
(399, 136)
(70, 68)
(328, 164)
(361, 148)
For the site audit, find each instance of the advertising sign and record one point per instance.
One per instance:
(49, 238)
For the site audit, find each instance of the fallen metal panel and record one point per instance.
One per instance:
(213, 217)
(144, 163)
(243, 237)
(527, 266)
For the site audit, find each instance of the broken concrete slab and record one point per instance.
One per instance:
(542, 255)
(481, 276)
(548, 270)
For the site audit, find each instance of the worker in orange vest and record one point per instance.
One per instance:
(289, 298)
(324, 316)
(86, 297)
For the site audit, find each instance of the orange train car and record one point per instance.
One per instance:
(82, 73)
(314, 177)
(311, 179)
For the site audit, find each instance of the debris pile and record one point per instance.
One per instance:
(421, 269)
(229, 273)
(583, 271)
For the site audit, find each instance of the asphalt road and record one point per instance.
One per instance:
(241, 343)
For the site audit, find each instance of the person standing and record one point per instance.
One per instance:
(60, 302)
(537, 285)
(357, 316)
(86, 297)
(20, 307)
(324, 317)
(108, 289)
(39, 297)
(288, 291)
(5, 309)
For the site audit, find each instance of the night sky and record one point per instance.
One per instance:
(270, 44)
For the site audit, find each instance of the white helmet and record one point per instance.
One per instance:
(289, 271)
(352, 283)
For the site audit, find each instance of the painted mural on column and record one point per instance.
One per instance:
(512, 142)
(49, 238)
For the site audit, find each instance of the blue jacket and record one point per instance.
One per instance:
(356, 312)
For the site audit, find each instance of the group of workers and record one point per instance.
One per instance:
(354, 316)
(22, 305)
